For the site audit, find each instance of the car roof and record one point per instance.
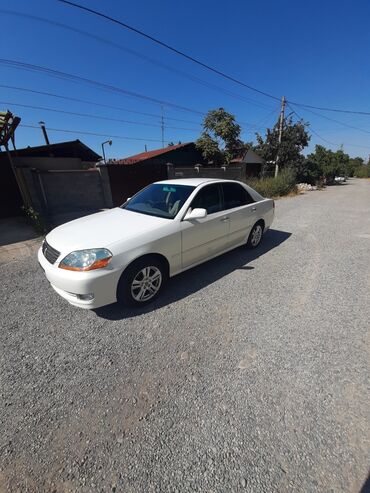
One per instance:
(194, 182)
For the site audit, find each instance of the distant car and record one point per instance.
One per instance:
(127, 253)
(340, 179)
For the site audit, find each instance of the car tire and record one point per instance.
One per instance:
(142, 281)
(255, 236)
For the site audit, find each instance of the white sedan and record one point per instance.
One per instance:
(127, 253)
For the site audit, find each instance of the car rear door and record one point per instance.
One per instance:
(241, 209)
(203, 238)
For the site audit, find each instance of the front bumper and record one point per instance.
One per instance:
(100, 284)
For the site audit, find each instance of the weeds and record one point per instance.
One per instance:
(35, 219)
(283, 184)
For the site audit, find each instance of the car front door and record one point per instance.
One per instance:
(241, 209)
(204, 238)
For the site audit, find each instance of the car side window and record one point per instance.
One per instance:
(208, 198)
(235, 195)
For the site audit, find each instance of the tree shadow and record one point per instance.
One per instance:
(197, 278)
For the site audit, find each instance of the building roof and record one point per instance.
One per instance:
(248, 158)
(143, 156)
(73, 148)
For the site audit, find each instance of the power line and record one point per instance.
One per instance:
(264, 119)
(98, 117)
(311, 129)
(184, 74)
(139, 55)
(106, 87)
(69, 131)
(198, 62)
(337, 110)
(101, 85)
(337, 121)
(171, 48)
(325, 140)
(94, 103)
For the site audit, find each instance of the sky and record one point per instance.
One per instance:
(314, 53)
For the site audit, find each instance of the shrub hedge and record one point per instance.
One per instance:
(283, 184)
(362, 172)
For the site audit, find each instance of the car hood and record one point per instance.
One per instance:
(102, 229)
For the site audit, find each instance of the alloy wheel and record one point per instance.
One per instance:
(146, 283)
(256, 235)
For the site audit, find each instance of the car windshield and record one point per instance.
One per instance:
(161, 200)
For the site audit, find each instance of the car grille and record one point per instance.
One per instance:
(49, 252)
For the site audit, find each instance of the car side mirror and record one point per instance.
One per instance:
(195, 214)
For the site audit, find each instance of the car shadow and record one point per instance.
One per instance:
(191, 281)
(366, 486)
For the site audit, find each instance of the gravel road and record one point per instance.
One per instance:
(251, 373)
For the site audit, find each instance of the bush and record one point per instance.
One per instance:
(362, 172)
(283, 184)
(35, 219)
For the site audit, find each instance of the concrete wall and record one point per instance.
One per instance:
(67, 193)
(227, 173)
(51, 163)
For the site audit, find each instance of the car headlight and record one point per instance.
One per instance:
(82, 260)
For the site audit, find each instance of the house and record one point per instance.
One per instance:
(62, 155)
(179, 155)
(252, 161)
(52, 178)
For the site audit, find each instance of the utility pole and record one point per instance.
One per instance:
(281, 122)
(102, 146)
(162, 126)
(42, 125)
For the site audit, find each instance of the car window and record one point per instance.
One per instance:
(159, 199)
(208, 198)
(235, 195)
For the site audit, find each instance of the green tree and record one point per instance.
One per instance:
(354, 164)
(310, 171)
(330, 163)
(363, 171)
(295, 138)
(209, 148)
(220, 140)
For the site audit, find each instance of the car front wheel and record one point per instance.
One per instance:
(141, 282)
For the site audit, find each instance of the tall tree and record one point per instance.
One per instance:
(295, 138)
(329, 162)
(220, 139)
(354, 164)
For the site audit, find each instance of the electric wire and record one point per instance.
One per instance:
(78, 79)
(322, 138)
(139, 55)
(83, 132)
(93, 103)
(97, 117)
(167, 46)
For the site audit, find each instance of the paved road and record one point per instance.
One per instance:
(250, 374)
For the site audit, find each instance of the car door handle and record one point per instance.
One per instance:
(253, 208)
(225, 218)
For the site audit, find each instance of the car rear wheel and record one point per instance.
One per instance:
(141, 282)
(255, 236)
